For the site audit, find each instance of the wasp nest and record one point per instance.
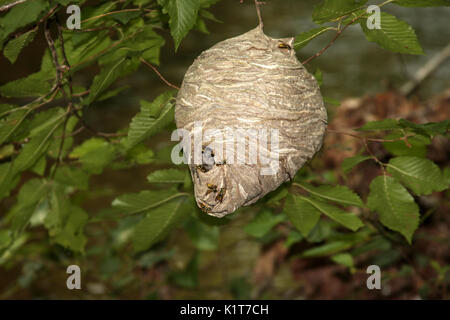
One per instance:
(250, 89)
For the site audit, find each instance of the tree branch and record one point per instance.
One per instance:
(158, 73)
(8, 6)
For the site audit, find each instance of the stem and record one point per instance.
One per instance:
(158, 73)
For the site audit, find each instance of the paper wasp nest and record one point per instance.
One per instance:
(250, 89)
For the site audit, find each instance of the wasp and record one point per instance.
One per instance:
(204, 207)
(211, 188)
(284, 45)
(220, 195)
(201, 167)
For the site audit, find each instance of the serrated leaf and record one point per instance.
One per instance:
(35, 149)
(167, 176)
(20, 16)
(347, 219)
(329, 10)
(151, 119)
(351, 162)
(95, 154)
(262, 223)
(420, 175)
(14, 46)
(431, 129)
(305, 37)
(417, 145)
(340, 194)
(183, 15)
(394, 205)
(9, 125)
(386, 124)
(395, 35)
(145, 200)
(109, 73)
(33, 85)
(301, 213)
(422, 3)
(157, 224)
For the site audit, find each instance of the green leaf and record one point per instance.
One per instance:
(395, 35)
(167, 176)
(344, 259)
(301, 213)
(276, 196)
(327, 249)
(340, 194)
(293, 237)
(95, 154)
(20, 16)
(33, 85)
(319, 76)
(183, 15)
(72, 176)
(202, 235)
(148, 44)
(14, 46)
(5, 238)
(59, 210)
(262, 223)
(349, 163)
(72, 236)
(420, 175)
(347, 219)
(430, 129)
(30, 195)
(304, 38)
(153, 117)
(386, 124)
(394, 205)
(133, 203)
(422, 3)
(329, 10)
(34, 149)
(9, 125)
(157, 224)
(7, 179)
(417, 145)
(109, 73)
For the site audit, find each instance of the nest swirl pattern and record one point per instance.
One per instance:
(252, 82)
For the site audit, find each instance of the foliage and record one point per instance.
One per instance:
(37, 141)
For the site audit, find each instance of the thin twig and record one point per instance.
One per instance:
(34, 26)
(115, 12)
(8, 6)
(339, 33)
(158, 73)
(332, 41)
(404, 138)
(258, 11)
